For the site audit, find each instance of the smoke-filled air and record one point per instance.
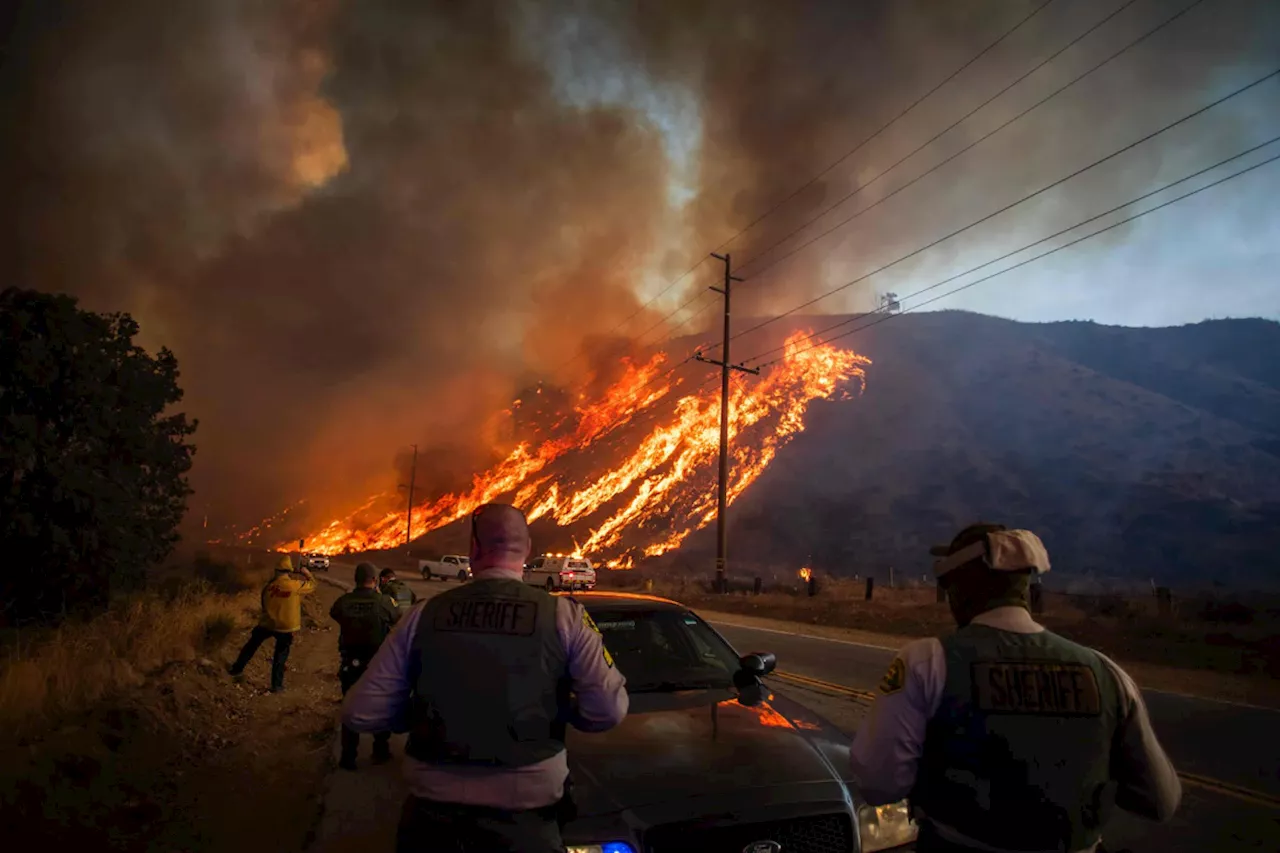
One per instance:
(368, 225)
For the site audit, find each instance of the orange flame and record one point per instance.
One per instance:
(655, 493)
(805, 574)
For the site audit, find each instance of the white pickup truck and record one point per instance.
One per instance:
(448, 566)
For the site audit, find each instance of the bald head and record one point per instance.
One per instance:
(499, 538)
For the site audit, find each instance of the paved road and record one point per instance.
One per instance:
(1232, 743)
(1229, 742)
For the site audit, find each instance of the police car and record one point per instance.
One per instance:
(708, 757)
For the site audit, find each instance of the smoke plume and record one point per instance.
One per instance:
(364, 225)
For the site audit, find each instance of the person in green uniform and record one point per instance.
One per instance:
(1003, 735)
(365, 617)
(397, 590)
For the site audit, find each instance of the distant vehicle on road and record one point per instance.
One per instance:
(708, 757)
(450, 566)
(316, 562)
(561, 571)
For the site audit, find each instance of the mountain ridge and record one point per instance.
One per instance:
(1141, 455)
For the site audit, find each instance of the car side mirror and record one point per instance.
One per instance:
(758, 664)
(751, 694)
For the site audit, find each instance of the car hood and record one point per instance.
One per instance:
(676, 745)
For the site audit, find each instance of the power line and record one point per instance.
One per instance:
(1014, 204)
(887, 125)
(884, 317)
(951, 127)
(1020, 250)
(981, 139)
(818, 177)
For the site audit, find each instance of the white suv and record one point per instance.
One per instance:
(560, 571)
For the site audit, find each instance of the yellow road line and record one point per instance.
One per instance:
(819, 684)
(1248, 795)
(1217, 786)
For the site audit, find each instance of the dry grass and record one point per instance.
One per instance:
(50, 674)
(125, 732)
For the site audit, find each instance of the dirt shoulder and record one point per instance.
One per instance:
(188, 759)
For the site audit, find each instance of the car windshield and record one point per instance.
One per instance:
(665, 650)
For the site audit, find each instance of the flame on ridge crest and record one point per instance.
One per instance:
(662, 490)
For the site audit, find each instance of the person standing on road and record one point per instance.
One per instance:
(365, 616)
(480, 678)
(281, 619)
(398, 591)
(1006, 736)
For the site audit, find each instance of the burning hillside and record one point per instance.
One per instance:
(652, 486)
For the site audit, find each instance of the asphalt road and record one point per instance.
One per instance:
(1232, 744)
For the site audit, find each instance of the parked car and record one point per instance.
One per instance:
(450, 566)
(316, 562)
(709, 759)
(561, 571)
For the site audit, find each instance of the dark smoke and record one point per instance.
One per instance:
(371, 223)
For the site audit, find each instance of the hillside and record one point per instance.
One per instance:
(1140, 455)
(1135, 453)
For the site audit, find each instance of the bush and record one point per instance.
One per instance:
(93, 459)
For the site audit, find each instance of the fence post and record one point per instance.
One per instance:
(813, 585)
(1037, 598)
(758, 586)
(871, 583)
(1164, 601)
(648, 584)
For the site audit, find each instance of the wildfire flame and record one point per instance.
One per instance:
(656, 493)
(805, 574)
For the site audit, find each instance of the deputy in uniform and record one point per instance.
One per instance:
(365, 617)
(1006, 736)
(397, 590)
(480, 678)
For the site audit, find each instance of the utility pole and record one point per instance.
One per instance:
(408, 516)
(722, 529)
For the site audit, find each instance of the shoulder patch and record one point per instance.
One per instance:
(588, 622)
(895, 678)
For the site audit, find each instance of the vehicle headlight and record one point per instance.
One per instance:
(885, 827)
(606, 847)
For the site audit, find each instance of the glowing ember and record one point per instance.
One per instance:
(661, 491)
(805, 574)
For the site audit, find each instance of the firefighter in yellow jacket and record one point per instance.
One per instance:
(281, 619)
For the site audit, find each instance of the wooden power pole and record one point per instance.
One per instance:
(722, 529)
(408, 519)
